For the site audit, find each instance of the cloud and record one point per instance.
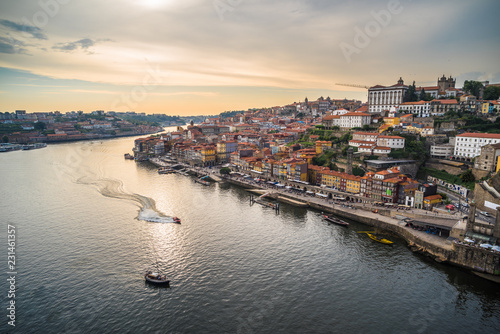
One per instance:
(24, 28)
(83, 44)
(12, 46)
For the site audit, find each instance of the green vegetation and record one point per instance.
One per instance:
(491, 93)
(411, 94)
(154, 119)
(472, 122)
(5, 139)
(358, 171)
(225, 170)
(468, 177)
(227, 114)
(40, 126)
(414, 149)
(324, 159)
(423, 172)
(9, 128)
(473, 87)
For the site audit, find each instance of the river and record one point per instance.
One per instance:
(89, 224)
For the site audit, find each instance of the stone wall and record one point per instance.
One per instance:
(479, 174)
(440, 166)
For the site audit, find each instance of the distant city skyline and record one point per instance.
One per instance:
(197, 57)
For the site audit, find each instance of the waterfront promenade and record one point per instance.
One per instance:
(392, 220)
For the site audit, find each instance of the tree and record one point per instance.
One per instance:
(5, 139)
(473, 87)
(411, 93)
(491, 93)
(225, 170)
(40, 126)
(422, 95)
(467, 176)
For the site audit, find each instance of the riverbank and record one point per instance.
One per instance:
(476, 259)
(442, 250)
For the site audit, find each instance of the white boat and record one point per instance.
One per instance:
(156, 278)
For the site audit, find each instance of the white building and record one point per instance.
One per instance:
(365, 136)
(442, 151)
(468, 145)
(396, 142)
(382, 98)
(419, 109)
(355, 120)
(348, 120)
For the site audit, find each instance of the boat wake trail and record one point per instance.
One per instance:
(114, 189)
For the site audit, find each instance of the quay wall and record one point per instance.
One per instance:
(477, 259)
(472, 258)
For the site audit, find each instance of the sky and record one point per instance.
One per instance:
(203, 57)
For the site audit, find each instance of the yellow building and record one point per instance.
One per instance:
(392, 121)
(353, 184)
(208, 155)
(486, 107)
(383, 128)
(321, 146)
(498, 164)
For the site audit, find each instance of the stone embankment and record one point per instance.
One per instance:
(441, 250)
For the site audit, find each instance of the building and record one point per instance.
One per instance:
(468, 145)
(347, 121)
(396, 142)
(392, 121)
(321, 146)
(444, 151)
(419, 109)
(488, 159)
(441, 107)
(365, 136)
(382, 98)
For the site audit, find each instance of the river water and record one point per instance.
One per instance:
(89, 223)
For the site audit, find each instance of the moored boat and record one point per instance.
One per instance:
(379, 239)
(335, 220)
(156, 278)
(176, 220)
(128, 156)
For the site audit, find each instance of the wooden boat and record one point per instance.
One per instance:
(156, 278)
(128, 156)
(200, 181)
(176, 220)
(165, 170)
(335, 220)
(379, 239)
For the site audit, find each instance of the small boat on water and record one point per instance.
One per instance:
(128, 156)
(176, 220)
(165, 170)
(156, 278)
(377, 238)
(335, 220)
(200, 181)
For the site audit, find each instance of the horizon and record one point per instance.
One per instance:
(195, 58)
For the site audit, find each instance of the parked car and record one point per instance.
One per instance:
(484, 213)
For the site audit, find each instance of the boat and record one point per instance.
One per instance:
(205, 183)
(379, 239)
(128, 156)
(335, 220)
(165, 170)
(176, 220)
(156, 278)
